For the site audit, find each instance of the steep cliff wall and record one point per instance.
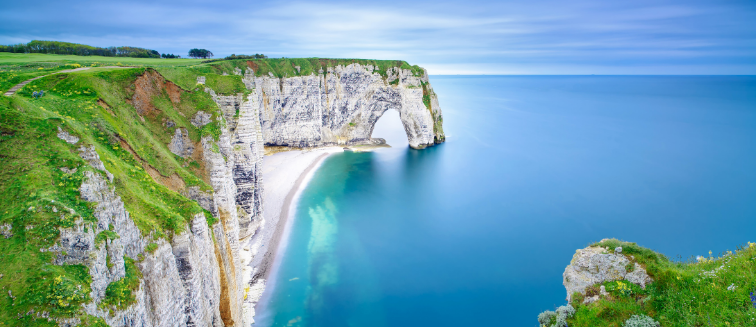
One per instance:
(146, 205)
(342, 105)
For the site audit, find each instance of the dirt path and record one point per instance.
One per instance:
(18, 86)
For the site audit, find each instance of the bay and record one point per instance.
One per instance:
(478, 230)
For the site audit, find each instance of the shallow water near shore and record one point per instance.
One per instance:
(478, 230)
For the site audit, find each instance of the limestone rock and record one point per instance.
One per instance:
(5, 230)
(90, 155)
(200, 79)
(63, 135)
(204, 199)
(67, 170)
(201, 119)
(595, 265)
(341, 107)
(181, 145)
(180, 284)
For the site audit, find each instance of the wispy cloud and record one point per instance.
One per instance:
(537, 36)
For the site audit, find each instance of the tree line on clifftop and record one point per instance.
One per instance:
(67, 48)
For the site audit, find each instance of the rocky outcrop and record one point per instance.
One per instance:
(5, 230)
(65, 136)
(182, 282)
(595, 265)
(244, 155)
(180, 144)
(201, 118)
(342, 105)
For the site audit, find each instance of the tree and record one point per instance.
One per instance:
(255, 56)
(200, 53)
(67, 48)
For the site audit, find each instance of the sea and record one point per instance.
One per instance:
(477, 231)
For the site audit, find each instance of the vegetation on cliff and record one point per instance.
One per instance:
(42, 174)
(707, 291)
(129, 115)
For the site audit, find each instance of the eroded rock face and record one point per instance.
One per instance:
(180, 144)
(595, 265)
(198, 279)
(89, 154)
(65, 136)
(201, 118)
(244, 155)
(342, 105)
(181, 284)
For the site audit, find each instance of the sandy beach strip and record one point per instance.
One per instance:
(285, 175)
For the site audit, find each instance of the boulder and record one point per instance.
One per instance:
(596, 265)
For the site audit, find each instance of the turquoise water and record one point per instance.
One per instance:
(477, 231)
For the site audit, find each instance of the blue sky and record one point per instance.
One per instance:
(457, 37)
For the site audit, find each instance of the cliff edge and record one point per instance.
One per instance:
(615, 283)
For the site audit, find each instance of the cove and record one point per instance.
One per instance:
(478, 230)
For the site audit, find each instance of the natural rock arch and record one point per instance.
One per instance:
(342, 105)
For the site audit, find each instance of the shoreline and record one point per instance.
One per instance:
(283, 228)
(285, 176)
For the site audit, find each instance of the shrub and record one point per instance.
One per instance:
(563, 313)
(641, 321)
(578, 298)
(592, 290)
(544, 318)
(559, 317)
(565, 310)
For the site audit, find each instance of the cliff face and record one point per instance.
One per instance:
(205, 272)
(342, 105)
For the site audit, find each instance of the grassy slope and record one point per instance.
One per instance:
(31, 183)
(682, 294)
(18, 67)
(94, 105)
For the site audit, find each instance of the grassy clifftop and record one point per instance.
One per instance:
(708, 291)
(16, 68)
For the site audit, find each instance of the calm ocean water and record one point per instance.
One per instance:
(477, 231)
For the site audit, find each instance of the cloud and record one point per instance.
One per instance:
(545, 34)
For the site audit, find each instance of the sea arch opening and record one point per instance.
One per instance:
(389, 127)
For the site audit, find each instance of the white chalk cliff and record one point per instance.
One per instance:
(204, 276)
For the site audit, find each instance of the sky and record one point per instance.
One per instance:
(446, 37)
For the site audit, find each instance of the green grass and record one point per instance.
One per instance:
(35, 193)
(120, 294)
(682, 294)
(284, 67)
(7, 58)
(18, 67)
